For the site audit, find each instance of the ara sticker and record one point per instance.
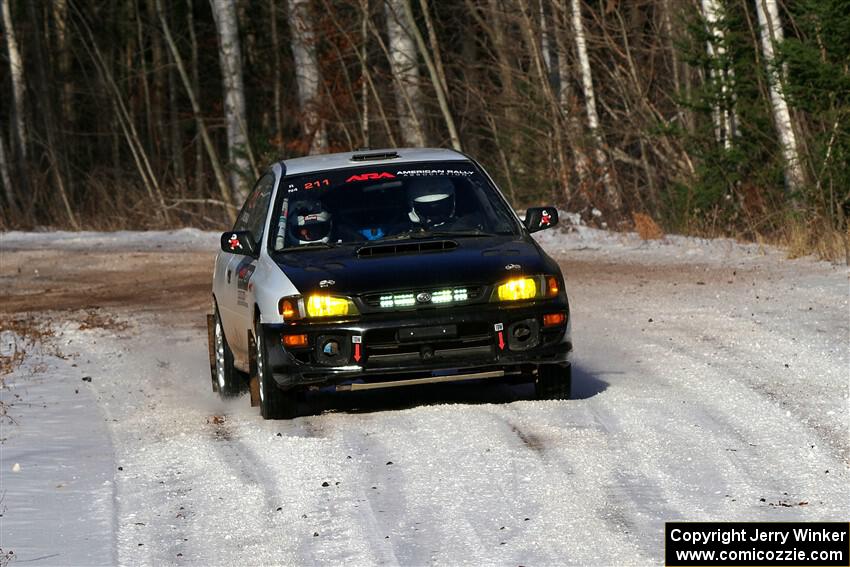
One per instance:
(370, 176)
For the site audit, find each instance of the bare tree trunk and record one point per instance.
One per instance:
(60, 18)
(307, 74)
(128, 127)
(435, 45)
(367, 84)
(276, 76)
(723, 112)
(565, 100)
(509, 139)
(199, 119)
(16, 68)
(545, 41)
(160, 139)
(200, 182)
(150, 123)
(405, 69)
(439, 85)
(685, 116)
(543, 78)
(53, 146)
(174, 119)
(364, 71)
(611, 191)
(230, 60)
(771, 36)
(6, 178)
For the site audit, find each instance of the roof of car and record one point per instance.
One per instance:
(308, 164)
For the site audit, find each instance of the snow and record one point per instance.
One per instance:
(183, 239)
(710, 383)
(55, 465)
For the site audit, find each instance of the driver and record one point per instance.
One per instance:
(432, 201)
(309, 222)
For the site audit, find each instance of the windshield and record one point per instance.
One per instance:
(375, 203)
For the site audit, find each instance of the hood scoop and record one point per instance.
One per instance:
(406, 248)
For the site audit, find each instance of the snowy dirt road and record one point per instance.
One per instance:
(710, 383)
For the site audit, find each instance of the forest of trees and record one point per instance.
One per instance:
(712, 117)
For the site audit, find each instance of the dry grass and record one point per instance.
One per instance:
(817, 238)
(95, 320)
(21, 335)
(647, 228)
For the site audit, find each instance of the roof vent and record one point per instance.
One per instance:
(374, 156)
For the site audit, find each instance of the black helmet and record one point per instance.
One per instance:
(309, 222)
(432, 200)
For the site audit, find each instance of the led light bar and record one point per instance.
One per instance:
(437, 297)
(397, 300)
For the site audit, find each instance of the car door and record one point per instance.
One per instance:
(240, 268)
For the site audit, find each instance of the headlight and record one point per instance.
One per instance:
(317, 305)
(329, 306)
(529, 287)
(519, 288)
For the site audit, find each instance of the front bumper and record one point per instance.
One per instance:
(420, 343)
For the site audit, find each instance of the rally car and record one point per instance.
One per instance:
(380, 269)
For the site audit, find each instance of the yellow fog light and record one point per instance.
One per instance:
(519, 288)
(329, 306)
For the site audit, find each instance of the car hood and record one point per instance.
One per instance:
(473, 261)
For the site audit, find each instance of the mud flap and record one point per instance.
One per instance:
(211, 343)
(254, 389)
(253, 380)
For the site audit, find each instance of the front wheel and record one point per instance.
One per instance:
(274, 402)
(227, 380)
(554, 382)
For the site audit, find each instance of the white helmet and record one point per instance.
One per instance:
(432, 200)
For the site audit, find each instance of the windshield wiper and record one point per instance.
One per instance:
(457, 233)
(422, 234)
(310, 246)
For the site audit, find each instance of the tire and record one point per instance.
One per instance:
(274, 402)
(227, 380)
(554, 382)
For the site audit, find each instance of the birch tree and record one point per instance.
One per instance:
(405, 69)
(16, 68)
(307, 74)
(565, 96)
(230, 60)
(611, 192)
(724, 111)
(770, 28)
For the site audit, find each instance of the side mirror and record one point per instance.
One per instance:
(538, 218)
(239, 242)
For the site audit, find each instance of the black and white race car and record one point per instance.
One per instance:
(382, 269)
